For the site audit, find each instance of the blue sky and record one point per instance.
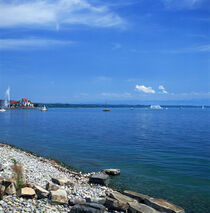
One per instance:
(119, 51)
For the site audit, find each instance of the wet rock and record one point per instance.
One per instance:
(40, 192)
(59, 197)
(163, 206)
(10, 190)
(99, 178)
(26, 192)
(139, 197)
(62, 181)
(52, 187)
(111, 171)
(73, 202)
(88, 208)
(140, 208)
(117, 205)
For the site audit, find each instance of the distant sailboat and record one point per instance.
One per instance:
(203, 107)
(44, 108)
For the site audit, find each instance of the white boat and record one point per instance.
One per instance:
(203, 107)
(155, 107)
(44, 108)
(2, 110)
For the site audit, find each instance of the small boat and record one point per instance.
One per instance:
(106, 110)
(131, 108)
(44, 108)
(2, 110)
(203, 107)
(155, 107)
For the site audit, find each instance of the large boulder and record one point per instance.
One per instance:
(99, 178)
(73, 202)
(120, 197)
(52, 187)
(40, 192)
(139, 197)
(11, 189)
(136, 207)
(26, 192)
(59, 197)
(163, 206)
(100, 200)
(118, 201)
(62, 181)
(88, 208)
(116, 205)
(111, 171)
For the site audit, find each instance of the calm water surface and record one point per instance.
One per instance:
(163, 153)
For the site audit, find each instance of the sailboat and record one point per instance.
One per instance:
(44, 108)
(203, 107)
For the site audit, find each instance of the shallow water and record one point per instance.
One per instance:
(163, 153)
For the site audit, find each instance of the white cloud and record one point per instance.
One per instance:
(161, 87)
(6, 44)
(145, 89)
(56, 13)
(163, 90)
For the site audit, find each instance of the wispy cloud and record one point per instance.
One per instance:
(56, 13)
(162, 89)
(193, 49)
(145, 89)
(199, 48)
(103, 78)
(7, 44)
(183, 4)
(116, 46)
(117, 95)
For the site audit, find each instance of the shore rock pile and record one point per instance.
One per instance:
(49, 187)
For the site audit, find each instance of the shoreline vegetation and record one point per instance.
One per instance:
(31, 183)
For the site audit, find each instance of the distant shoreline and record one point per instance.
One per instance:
(58, 105)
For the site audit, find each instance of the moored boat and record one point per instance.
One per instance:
(155, 107)
(106, 110)
(44, 108)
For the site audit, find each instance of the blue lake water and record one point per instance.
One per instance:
(163, 153)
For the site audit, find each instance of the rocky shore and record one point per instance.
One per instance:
(35, 184)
